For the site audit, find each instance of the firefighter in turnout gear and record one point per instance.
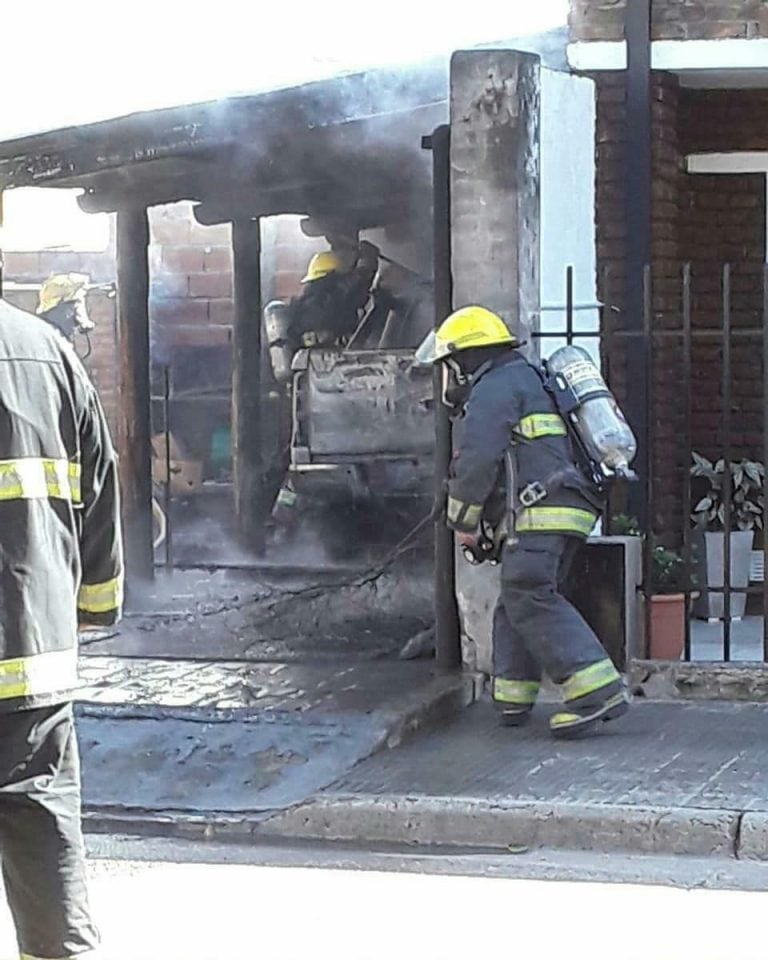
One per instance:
(514, 471)
(60, 568)
(340, 302)
(338, 295)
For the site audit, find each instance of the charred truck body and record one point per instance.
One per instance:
(361, 426)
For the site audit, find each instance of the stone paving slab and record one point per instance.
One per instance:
(196, 738)
(710, 755)
(227, 762)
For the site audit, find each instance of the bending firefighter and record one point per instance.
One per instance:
(515, 472)
(60, 567)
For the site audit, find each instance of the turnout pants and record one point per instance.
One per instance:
(536, 630)
(41, 842)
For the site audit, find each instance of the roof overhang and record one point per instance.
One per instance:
(352, 142)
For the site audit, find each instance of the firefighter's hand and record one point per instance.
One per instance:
(468, 540)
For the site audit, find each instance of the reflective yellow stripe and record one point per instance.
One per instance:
(38, 674)
(591, 678)
(537, 425)
(564, 719)
(101, 597)
(556, 520)
(35, 478)
(515, 691)
(467, 514)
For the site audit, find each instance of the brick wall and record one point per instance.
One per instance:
(672, 19)
(704, 220)
(191, 292)
(723, 220)
(29, 270)
(669, 465)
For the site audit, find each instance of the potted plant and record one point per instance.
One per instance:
(745, 478)
(666, 620)
(666, 625)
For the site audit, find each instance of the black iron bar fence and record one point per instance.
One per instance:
(668, 345)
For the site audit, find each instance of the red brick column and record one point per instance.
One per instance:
(669, 468)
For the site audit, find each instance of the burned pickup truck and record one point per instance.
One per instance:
(364, 414)
(361, 423)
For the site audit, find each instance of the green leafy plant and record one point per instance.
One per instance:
(623, 525)
(668, 566)
(668, 571)
(746, 487)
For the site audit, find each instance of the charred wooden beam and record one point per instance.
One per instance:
(246, 382)
(70, 156)
(214, 211)
(134, 424)
(150, 195)
(319, 200)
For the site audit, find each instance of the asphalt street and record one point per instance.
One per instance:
(171, 899)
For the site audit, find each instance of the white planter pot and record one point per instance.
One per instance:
(710, 570)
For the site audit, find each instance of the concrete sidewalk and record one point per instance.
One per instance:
(671, 778)
(265, 751)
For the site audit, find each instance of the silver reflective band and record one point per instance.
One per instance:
(556, 520)
(101, 597)
(38, 478)
(38, 674)
(591, 678)
(466, 514)
(537, 425)
(515, 691)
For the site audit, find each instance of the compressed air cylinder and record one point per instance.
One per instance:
(277, 323)
(596, 416)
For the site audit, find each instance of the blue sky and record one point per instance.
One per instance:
(93, 59)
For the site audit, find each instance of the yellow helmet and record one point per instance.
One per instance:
(62, 288)
(322, 264)
(464, 329)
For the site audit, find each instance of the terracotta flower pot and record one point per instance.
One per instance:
(667, 627)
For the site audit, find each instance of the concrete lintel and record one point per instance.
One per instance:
(673, 55)
(737, 161)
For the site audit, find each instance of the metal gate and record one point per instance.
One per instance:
(702, 377)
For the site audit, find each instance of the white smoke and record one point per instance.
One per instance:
(173, 53)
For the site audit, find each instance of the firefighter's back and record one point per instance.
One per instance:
(41, 389)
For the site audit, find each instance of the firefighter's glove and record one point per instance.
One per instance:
(477, 548)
